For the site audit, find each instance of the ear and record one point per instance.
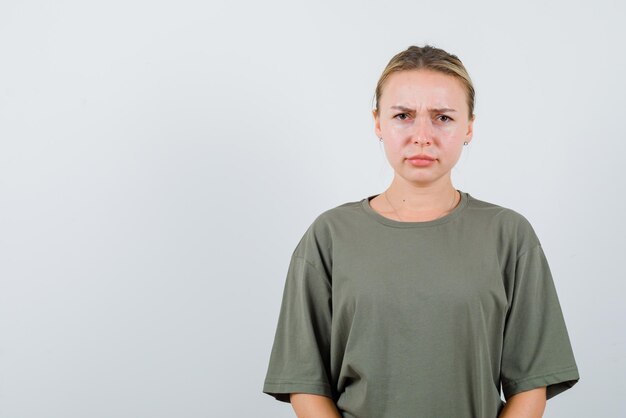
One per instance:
(470, 130)
(377, 130)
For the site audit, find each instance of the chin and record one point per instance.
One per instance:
(423, 178)
(419, 181)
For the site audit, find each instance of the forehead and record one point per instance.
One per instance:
(423, 86)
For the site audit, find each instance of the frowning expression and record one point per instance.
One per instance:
(423, 119)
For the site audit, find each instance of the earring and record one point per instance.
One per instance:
(465, 143)
(380, 139)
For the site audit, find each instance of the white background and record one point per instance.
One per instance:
(159, 161)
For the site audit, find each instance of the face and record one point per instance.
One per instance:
(423, 113)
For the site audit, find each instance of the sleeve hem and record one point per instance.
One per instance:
(555, 382)
(282, 390)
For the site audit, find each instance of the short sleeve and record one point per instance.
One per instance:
(300, 357)
(536, 348)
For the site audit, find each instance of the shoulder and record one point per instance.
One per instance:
(316, 243)
(329, 220)
(509, 224)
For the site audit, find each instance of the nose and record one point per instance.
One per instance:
(422, 132)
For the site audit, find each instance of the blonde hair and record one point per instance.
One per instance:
(428, 58)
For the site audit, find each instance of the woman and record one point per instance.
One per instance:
(421, 301)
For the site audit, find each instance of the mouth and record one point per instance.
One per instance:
(421, 160)
(421, 157)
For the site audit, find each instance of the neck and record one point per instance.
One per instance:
(411, 198)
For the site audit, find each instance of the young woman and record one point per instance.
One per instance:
(421, 301)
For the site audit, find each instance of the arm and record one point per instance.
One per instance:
(527, 404)
(313, 406)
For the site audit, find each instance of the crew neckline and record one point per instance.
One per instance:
(365, 204)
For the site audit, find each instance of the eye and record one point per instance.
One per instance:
(445, 118)
(402, 116)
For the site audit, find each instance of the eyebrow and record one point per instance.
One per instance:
(436, 110)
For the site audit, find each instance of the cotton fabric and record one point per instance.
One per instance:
(420, 319)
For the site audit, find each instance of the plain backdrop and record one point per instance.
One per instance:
(159, 161)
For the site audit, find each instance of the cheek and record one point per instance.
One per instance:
(393, 151)
(391, 129)
(451, 136)
(449, 131)
(453, 151)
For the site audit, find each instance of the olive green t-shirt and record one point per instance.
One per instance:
(399, 319)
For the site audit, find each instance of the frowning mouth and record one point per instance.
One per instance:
(421, 160)
(421, 157)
